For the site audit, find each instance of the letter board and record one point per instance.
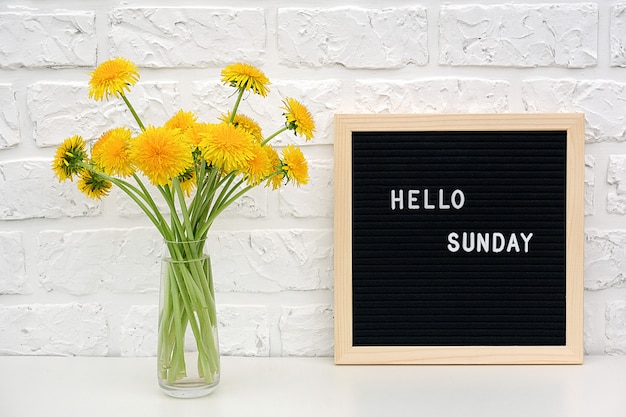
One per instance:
(458, 238)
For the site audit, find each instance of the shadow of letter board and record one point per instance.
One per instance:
(458, 238)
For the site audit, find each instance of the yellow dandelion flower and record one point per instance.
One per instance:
(161, 154)
(111, 152)
(275, 181)
(112, 78)
(246, 123)
(259, 166)
(182, 120)
(187, 181)
(298, 118)
(196, 132)
(246, 77)
(94, 185)
(295, 165)
(69, 158)
(227, 147)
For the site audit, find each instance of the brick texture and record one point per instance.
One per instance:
(519, 35)
(616, 199)
(81, 277)
(449, 95)
(29, 190)
(47, 40)
(9, 123)
(13, 264)
(352, 37)
(187, 37)
(54, 329)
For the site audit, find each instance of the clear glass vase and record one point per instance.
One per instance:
(188, 348)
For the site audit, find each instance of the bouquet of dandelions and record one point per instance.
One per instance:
(198, 169)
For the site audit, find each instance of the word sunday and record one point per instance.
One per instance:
(487, 242)
(495, 242)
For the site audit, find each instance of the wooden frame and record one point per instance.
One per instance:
(571, 352)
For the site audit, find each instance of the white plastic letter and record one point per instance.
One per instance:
(453, 245)
(426, 205)
(412, 197)
(468, 241)
(397, 199)
(457, 199)
(498, 242)
(442, 205)
(482, 242)
(513, 244)
(526, 239)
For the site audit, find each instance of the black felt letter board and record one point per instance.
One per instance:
(465, 232)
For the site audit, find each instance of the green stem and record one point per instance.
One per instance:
(137, 197)
(165, 230)
(176, 226)
(199, 315)
(225, 184)
(200, 185)
(219, 209)
(208, 193)
(236, 106)
(173, 320)
(133, 112)
(141, 197)
(273, 135)
(183, 207)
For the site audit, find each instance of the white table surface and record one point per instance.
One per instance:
(300, 387)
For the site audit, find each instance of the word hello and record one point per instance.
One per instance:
(423, 199)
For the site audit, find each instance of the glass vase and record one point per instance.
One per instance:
(188, 349)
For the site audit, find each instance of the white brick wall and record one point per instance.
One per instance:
(433, 95)
(353, 37)
(42, 39)
(29, 190)
(54, 329)
(9, 125)
(597, 98)
(174, 36)
(79, 277)
(513, 35)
